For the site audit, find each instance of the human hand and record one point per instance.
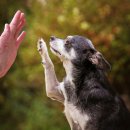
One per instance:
(10, 41)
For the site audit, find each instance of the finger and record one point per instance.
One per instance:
(22, 16)
(19, 28)
(6, 34)
(20, 25)
(15, 21)
(20, 39)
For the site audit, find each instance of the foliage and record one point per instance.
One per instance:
(23, 102)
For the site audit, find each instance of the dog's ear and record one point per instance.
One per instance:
(97, 59)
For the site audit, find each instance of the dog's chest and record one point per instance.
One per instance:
(71, 110)
(76, 115)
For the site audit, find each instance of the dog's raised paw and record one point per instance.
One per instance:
(41, 46)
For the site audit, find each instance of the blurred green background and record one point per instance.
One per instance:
(23, 101)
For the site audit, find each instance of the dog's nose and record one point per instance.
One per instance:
(52, 38)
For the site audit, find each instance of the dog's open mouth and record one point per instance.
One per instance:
(53, 49)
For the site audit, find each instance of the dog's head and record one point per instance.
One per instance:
(79, 48)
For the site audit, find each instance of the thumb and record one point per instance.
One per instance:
(6, 34)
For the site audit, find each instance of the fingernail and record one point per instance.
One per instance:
(23, 14)
(19, 11)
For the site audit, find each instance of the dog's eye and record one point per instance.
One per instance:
(68, 44)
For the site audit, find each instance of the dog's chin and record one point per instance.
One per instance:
(58, 54)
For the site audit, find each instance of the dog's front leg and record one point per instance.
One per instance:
(52, 84)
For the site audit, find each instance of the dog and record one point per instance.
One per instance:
(89, 101)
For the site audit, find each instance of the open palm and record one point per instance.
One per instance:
(10, 41)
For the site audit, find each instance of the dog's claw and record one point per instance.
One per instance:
(40, 42)
(43, 62)
(39, 49)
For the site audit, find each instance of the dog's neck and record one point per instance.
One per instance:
(76, 74)
(68, 69)
(81, 71)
